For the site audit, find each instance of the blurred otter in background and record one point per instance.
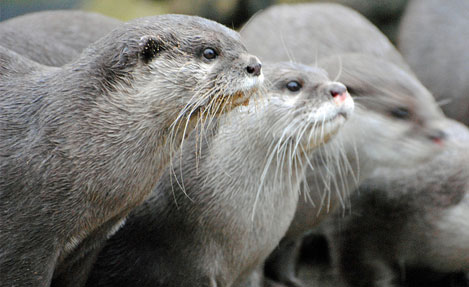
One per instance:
(434, 39)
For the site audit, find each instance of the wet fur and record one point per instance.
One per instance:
(83, 144)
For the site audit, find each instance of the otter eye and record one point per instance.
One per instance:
(293, 86)
(209, 54)
(400, 113)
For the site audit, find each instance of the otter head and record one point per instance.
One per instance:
(175, 69)
(396, 122)
(303, 106)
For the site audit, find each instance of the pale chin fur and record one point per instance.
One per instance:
(329, 111)
(332, 117)
(251, 82)
(387, 142)
(326, 120)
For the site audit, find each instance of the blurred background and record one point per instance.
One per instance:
(233, 13)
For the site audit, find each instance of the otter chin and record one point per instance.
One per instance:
(332, 121)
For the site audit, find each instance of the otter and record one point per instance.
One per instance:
(396, 123)
(84, 144)
(408, 219)
(218, 219)
(425, 31)
(54, 38)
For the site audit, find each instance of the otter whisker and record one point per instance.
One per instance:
(306, 188)
(339, 73)
(287, 51)
(300, 136)
(262, 179)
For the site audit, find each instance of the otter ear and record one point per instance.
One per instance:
(150, 47)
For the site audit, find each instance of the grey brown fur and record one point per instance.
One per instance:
(54, 38)
(433, 39)
(406, 219)
(218, 229)
(82, 145)
(350, 48)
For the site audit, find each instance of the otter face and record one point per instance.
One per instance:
(208, 64)
(397, 122)
(193, 67)
(303, 105)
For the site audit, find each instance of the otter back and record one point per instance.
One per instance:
(54, 38)
(426, 29)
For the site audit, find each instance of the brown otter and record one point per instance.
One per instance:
(408, 219)
(54, 38)
(436, 32)
(395, 123)
(82, 145)
(215, 223)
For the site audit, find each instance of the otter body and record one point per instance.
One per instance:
(82, 145)
(435, 32)
(54, 38)
(407, 219)
(307, 32)
(215, 223)
(396, 123)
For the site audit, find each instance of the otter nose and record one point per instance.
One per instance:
(254, 67)
(338, 92)
(437, 136)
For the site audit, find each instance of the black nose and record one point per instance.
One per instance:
(254, 67)
(337, 89)
(437, 135)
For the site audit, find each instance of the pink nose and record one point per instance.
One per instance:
(339, 97)
(338, 92)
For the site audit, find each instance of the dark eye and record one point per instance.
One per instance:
(400, 113)
(293, 86)
(209, 54)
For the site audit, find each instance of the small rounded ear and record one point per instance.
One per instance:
(150, 47)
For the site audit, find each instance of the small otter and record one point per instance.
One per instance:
(396, 122)
(215, 223)
(405, 219)
(436, 32)
(54, 38)
(82, 145)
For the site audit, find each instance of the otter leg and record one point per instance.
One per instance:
(77, 273)
(281, 266)
(74, 272)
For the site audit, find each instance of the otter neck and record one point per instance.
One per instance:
(267, 165)
(124, 130)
